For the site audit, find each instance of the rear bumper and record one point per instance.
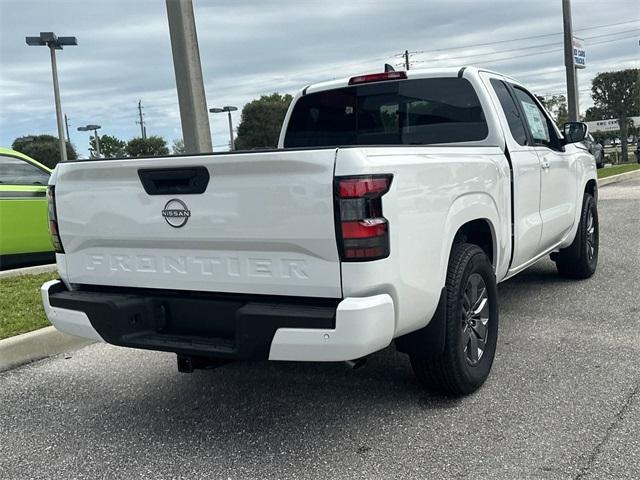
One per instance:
(224, 326)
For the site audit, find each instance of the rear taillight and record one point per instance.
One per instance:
(363, 233)
(53, 219)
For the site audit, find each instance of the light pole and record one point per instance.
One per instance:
(54, 43)
(95, 129)
(227, 109)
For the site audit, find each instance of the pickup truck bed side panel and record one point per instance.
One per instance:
(434, 191)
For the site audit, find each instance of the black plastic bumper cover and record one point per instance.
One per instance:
(193, 323)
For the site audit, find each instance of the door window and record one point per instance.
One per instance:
(14, 171)
(540, 127)
(511, 112)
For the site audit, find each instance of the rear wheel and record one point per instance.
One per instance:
(471, 328)
(580, 259)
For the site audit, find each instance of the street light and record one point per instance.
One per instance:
(94, 128)
(227, 109)
(54, 43)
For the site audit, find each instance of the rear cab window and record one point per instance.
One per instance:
(405, 112)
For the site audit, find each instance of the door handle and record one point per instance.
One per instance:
(545, 165)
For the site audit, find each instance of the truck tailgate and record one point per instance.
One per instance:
(263, 225)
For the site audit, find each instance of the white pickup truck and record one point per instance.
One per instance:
(393, 206)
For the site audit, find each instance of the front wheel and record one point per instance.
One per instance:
(471, 329)
(580, 259)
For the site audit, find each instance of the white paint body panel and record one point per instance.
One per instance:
(363, 326)
(265, 225)
(434, 191)
(67, 321)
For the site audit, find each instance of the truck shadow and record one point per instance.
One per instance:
(286, 405)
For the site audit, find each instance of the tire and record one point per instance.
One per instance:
(580, 259)
(457, 371)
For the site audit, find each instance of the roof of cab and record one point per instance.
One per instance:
(417, 73)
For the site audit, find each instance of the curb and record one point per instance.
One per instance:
(36, 345)
(28, 271)
(618, 178)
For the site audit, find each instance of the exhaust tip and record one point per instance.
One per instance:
(188, 363)
(356, 364)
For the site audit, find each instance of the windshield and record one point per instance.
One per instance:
(406, 112)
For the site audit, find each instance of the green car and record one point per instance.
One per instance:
(24, 231)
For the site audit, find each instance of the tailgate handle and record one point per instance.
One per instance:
(172, 181)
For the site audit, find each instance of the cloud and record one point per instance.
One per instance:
(253, 47)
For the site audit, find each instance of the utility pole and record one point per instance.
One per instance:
(66, 123)
(186, 63)
(143, 129)
(572, 74)
(406, 59)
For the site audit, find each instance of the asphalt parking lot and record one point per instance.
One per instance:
(563, 399)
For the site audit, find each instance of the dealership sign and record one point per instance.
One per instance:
(609, 125)
(579, 54)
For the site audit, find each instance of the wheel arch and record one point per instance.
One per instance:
(474, 219)
(591, 187)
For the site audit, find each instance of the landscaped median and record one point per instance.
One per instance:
(618, 169)
(21, 308)
(25, 333)
(618, 173)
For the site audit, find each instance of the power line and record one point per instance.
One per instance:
(550, 51)
(612, 34)
(519, 39)
(555, 49)
(605, 25)
(402, 55)
(526, 48)
(548, 94)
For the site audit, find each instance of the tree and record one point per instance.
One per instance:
(595, 113)
(110, 147)
(618, 94)
(261, 121)
(177, 148)
(43, 148)
(556, 105)
(153, 146)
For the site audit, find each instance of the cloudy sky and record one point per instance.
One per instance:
(250, 48)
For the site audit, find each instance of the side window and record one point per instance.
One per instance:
(511, 111)
(14, 171)
(540, 127)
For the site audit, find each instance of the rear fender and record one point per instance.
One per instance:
(467, 208)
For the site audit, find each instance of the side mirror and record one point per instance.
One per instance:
(574, 132)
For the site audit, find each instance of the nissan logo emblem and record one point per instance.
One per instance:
(176, 213)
